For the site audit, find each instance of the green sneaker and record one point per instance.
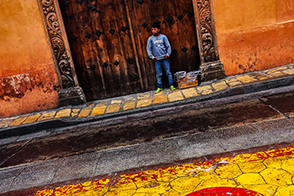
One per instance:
(172, 88)
(158, 90)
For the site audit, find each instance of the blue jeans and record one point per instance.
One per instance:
(166, 66)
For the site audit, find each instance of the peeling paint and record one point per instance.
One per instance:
(16, 86)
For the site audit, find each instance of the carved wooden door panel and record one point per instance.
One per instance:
(108, 41)
(177, 23)
(101, 46)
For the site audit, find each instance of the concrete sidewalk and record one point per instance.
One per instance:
(148, 101)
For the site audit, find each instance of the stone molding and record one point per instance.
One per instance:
(212, 70)
(58, 43)
(211, 67)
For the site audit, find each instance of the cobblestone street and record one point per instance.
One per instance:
(264, 173)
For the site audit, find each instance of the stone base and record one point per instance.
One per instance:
(212, 70)
(71, 96)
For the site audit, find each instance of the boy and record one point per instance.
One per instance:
(159, 50)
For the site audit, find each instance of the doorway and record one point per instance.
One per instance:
(108, 41)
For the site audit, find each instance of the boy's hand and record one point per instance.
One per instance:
(165, 57)
(154, 59)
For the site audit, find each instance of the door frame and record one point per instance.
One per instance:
(211, 67)
(72, 94)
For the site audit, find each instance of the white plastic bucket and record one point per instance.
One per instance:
(193, 74)
(180, 74)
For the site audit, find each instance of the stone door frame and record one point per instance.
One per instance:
(72, 94)
(211, 67)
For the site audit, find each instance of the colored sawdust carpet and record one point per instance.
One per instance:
(263, 173)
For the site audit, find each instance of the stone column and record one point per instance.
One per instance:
(70, 93)
(211, 67)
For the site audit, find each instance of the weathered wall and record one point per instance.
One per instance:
(254, 35)
(28, 80)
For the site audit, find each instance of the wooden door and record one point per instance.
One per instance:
(108, 41)
(102, 49)
(177, 23)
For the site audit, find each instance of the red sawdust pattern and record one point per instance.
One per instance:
(224, 191)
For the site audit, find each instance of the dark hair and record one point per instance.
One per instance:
(156, 25)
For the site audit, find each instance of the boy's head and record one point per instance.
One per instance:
(155, 28)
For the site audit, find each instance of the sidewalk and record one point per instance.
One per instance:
(130, 104)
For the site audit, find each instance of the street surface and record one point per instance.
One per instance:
(87, 139)
(193, 152)
(264, 173)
